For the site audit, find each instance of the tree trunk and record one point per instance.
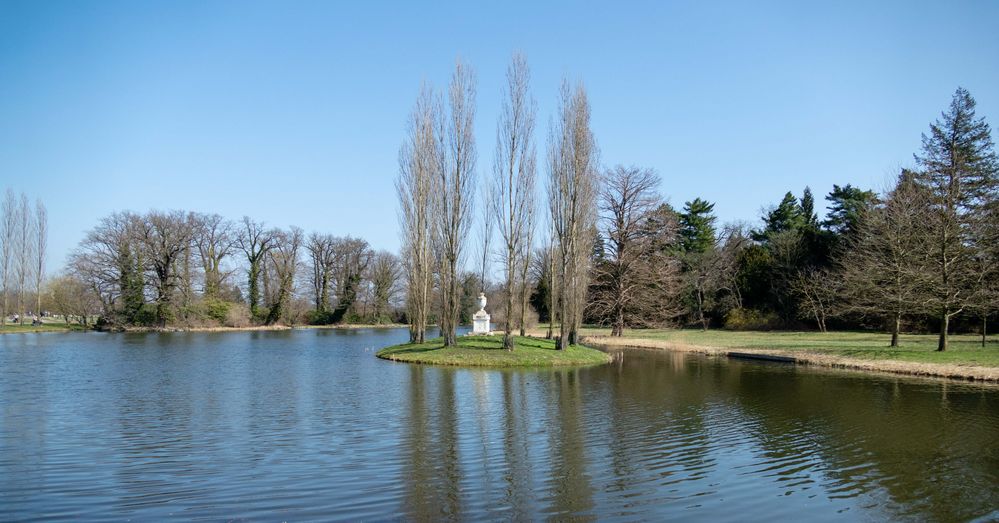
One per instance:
(562, 338)
(700, 310)
(618, 328)
(985, 324)
(944, 326)
(523, 311)
(253, 288)
(508, 331)
(896, 326)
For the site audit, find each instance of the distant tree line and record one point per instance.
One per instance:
(197, 269)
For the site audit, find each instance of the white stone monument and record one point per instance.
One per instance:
(480, 321)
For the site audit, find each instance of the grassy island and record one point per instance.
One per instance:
(487, 351)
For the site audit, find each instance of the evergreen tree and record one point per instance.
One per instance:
(808, 209)
(697, 226)
(846, 204)
(959, 170)
(786, 216)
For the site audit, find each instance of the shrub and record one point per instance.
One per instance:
(751, 320)
(315, 317)
(237, 315)
(217, 310)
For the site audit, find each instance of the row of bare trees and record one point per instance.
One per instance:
(23, 241)
(436, 192)
(160, 268)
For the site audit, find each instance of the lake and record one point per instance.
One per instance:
(308, 424)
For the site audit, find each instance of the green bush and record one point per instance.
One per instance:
(146, 316)
(751, 320)
(217, 310)
(315, 317)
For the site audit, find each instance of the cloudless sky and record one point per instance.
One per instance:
(293, 112)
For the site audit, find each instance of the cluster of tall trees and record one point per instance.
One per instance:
(923, 252)
(165, 268)
(930, 247)
(23, 241)
(436, 188)
(436, 192)
(610, 250)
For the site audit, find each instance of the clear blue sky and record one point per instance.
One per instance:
(293, 112)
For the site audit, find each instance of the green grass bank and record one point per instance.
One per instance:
(965, 358)
(12, 328)
(487, 351)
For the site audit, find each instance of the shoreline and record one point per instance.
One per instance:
(352, 326)
(932, 370)
(484, 351)
(346, 326)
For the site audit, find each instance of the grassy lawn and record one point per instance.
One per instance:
(487, 351)
(964, 349)
(11, 328)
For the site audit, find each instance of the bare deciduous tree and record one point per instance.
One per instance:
(985, 235)
(109, 260)
(384, 276)
(513, 190)
(485, 237)
(164, 236)
(25, 254)
(255, 241)
(817, 291)
(215, 239)
(351, 258)
(572, 171)
(417, 172)
(526, 260)
(884, 267)
(8, 237)
(72, 298)
(321, 256)
(283, 255)
(627, 197)
(41, 243)
(453, 192)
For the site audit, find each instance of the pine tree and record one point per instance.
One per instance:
(959, 170)
(808, 209)
(697, 225)
(786, 216)
(846, 204)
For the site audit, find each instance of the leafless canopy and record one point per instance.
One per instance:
(572, 173)
(513, 187)
(453, 192)
(418, 164)
(628, 197)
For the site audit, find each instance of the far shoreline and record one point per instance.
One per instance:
(43, 329)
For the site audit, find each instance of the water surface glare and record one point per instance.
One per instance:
(309, 425)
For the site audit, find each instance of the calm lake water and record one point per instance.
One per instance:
(308, 424)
